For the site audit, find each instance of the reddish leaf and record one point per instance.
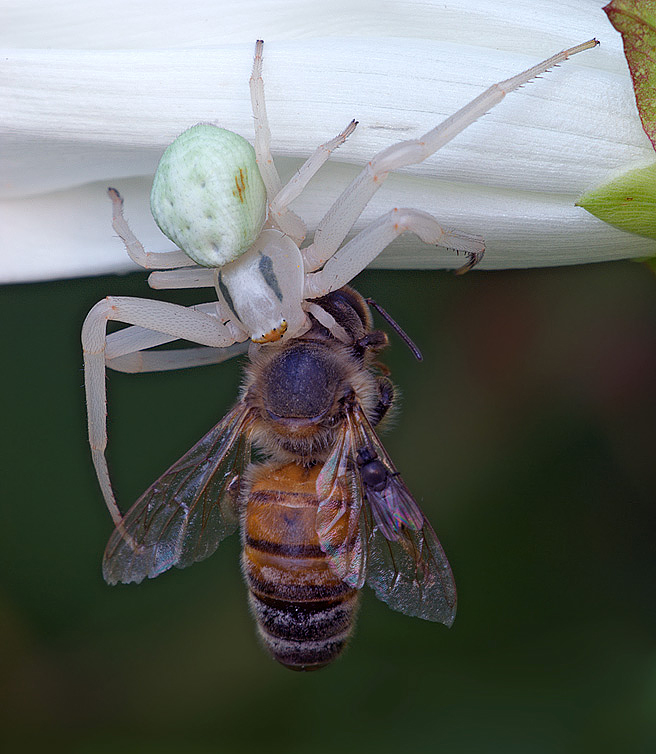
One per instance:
(636, 22)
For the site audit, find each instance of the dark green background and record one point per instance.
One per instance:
(527, 435)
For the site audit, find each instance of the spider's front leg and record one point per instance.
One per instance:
(279, 197)
(354, 256)
(279, 207)
(340, 218)
(169, 321)
(128, 350)
(287, 221)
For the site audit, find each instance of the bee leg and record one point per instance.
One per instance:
(385, 400)
(374, 341)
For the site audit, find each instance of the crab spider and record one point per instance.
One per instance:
(222, 202)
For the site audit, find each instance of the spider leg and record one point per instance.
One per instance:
(354, 256)
(125, 350)
(148, 259)
(135, 338)
(178, 358)
(167, 319)
(265, 162)
(286, 220)
(278, 208)
(199, 277)
(333, 228)
(196, 277)
(328, 321)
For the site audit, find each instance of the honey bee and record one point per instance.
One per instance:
(325, 513)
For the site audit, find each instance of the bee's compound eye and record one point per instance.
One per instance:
(300, 384)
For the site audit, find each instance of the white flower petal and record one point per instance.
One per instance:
(76, 121)
(533, 26)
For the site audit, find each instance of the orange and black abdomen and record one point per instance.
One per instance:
(304, 611)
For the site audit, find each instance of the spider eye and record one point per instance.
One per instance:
(208, 196)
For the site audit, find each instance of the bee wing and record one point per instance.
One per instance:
(182, 517)
(406, 565)
(340, 513)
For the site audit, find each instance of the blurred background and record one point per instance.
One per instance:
(527, 436)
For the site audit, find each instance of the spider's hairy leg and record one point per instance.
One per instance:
(278, 208)
(354, 256)
(287, 221)
(187, 277)
(328, 321)
(168, 319)
(265, 162)
(178, 358)
(150, 260)
(333, 228)
(126, 350)
(134, 338)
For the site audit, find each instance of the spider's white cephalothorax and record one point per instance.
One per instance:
(222, 202)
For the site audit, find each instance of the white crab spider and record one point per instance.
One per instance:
(223, 203)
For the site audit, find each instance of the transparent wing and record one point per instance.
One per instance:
(340, 512)
(412, 575)
(183, 516)
(406, 565)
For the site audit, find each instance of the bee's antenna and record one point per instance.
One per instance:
(397, 328)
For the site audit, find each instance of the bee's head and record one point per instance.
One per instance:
(298, 387)
(300, 384)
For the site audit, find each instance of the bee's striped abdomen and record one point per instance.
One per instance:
(304, 611)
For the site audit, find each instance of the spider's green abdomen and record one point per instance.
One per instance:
(208, 196)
